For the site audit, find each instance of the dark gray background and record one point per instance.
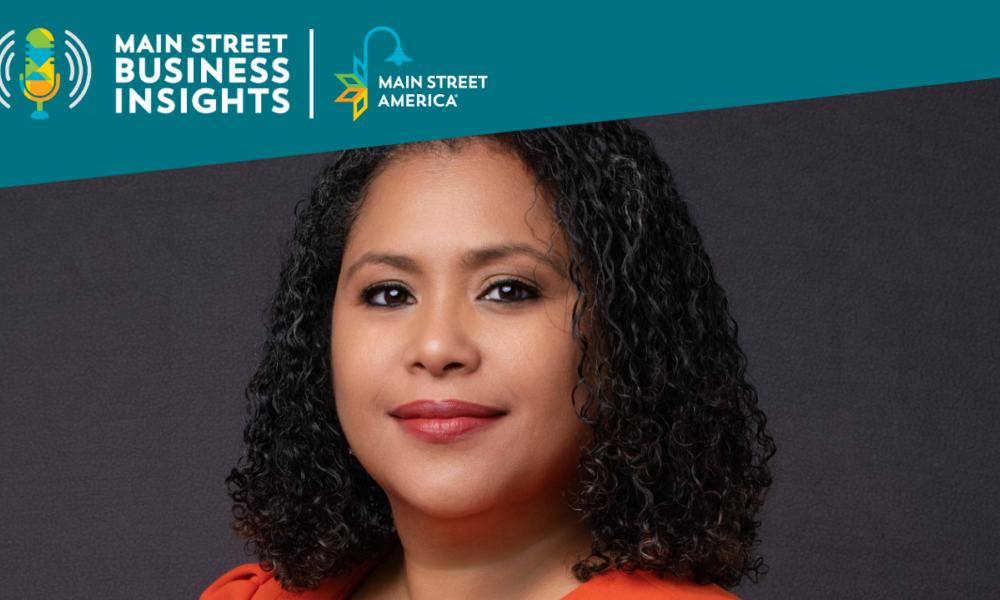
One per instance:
(857, 237)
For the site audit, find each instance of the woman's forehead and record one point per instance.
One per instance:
(473, 196)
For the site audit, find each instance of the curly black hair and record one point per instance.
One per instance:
(678, 470)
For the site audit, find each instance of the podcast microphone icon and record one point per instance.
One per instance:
(39, 82)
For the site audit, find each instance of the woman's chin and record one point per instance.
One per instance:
(449, 495)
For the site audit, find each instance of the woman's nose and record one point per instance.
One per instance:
(441, 342)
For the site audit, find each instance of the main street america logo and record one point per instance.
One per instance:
(39, 81)
(441, 90)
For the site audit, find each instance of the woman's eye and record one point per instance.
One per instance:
(510, 291)
(386, 295)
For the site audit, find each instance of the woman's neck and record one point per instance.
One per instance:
(514, 552)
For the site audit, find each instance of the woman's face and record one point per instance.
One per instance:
(453, 361)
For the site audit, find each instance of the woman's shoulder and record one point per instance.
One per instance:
(645, 585)
(252, 582)
(245, 582)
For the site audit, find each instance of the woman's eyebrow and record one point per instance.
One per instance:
(481, 256)
(472, 259)
(403, 263)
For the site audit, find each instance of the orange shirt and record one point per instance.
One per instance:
(250, 582)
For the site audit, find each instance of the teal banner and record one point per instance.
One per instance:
(94, 89)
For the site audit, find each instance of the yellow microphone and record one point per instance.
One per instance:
(39, 82)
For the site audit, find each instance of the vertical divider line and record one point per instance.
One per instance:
(311, 87)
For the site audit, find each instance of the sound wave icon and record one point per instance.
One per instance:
(78, 62)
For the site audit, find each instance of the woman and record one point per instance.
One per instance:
(499, 367)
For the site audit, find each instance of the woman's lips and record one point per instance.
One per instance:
(444, 420)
